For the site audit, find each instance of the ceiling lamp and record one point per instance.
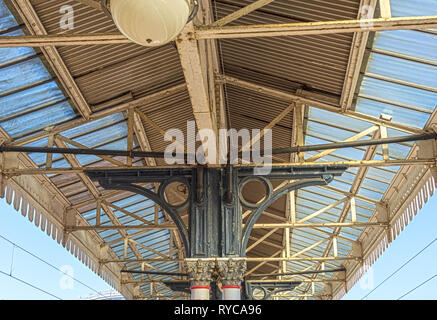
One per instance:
(151, 22)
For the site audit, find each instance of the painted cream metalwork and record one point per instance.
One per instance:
(95, 89)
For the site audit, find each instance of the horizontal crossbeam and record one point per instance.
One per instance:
(249, 259)
(226, 32)
(352, 163)
(314, 28)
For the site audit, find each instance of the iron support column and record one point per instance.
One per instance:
(200, 272)
(230, 274)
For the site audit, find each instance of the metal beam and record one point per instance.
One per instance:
(385, 7)
(248, 259)
(81, 146)
(195, 78)
(328, 148)
(171, 226)
(318, 104)
(353, 138)
(205, 32)
(58, 40)
(122, 227)
(102, 114)
(143, 140)
(269, 126)
(249, 281)
(315, 28)
(356, 57)
(35, 27)
(240, 13)
(318, 212)
(355, 163)
(319, 225)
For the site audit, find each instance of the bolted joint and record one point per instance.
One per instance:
(200, 271)
(231, 271)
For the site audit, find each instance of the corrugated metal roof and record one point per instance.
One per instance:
(318, 62)
(26, 84)
(106, 72)
(400, 80)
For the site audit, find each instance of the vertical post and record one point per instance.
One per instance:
(126, 240)
(231, 273)
(200, 272)
(156, 211)
(299, 116)
(49, 157)
(334, 244)
(200, 292)
(385, 7)
(130, 135)
(353, 210)
(287, 249)
(383, 134)
(385, 152)
(98, 212)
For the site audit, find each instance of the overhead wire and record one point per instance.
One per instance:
(49, 264)
(417, 287)
(29, 284)
(398, 269)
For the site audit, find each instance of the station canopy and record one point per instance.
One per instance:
(347, 79)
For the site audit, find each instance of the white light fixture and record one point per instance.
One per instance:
(151, 22)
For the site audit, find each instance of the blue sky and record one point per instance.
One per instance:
(420, 232)
(18, 229)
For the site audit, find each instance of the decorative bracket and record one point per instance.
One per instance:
(269, 288)
(215, 202)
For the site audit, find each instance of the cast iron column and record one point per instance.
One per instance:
(200, 272)
(230, 273)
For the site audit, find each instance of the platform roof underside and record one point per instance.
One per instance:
(340, 84)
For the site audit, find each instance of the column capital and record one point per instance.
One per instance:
(200, 270)
(231, 271)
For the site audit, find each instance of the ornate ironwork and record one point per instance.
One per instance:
(215, 204)
(231, 271)
(269, 288)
